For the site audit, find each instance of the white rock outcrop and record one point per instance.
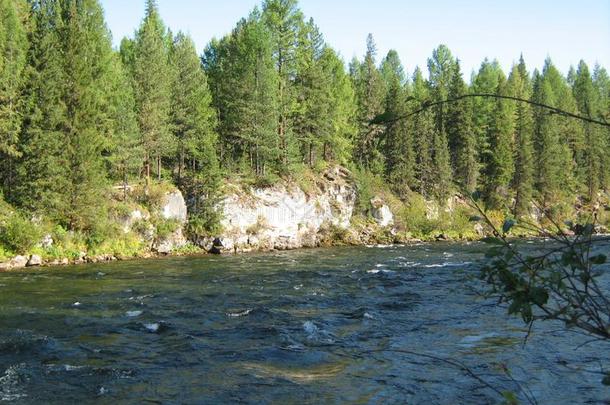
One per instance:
(283, 217)
(381, 213)
(174, 207)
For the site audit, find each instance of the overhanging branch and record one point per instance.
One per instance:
(555, 110)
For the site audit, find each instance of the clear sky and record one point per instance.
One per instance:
(473, 29)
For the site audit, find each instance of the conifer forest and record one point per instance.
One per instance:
(270, 101)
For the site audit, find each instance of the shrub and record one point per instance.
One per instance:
(19, 234)
(414, 218)
(205, 223)
(267, 181)
(369, 186)
(5, 254)
(165, 227)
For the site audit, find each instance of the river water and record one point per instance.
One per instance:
(341, 325)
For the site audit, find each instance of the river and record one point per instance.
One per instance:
(340, 325)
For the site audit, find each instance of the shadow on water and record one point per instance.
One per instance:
(319, 326)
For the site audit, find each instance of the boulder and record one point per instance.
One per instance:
(381, 213)
(132, 218)
(167, 245)
(174, 207)
(18, 262)
(35, 260)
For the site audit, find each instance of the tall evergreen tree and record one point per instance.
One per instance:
(398, 141)
(193, 119)
(519, 86)
(337, 144)
(244, 83)
(485, 81)
(152, 84)
(423, 131)
(311, 115)
(601, 81)
(441, 71)
(284, 21)
(553, 137)
(594, 148)
(40, 173)
(13, 52)
(461, 136)
(500, 164)
(370, 93)
(123, 148)
(62, 168)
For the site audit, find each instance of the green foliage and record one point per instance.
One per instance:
(370, 93)
(165, 227)
(19, 234)
(272, 100)
(460, 133)
(13, 51)
(153, 79)
(368, 186)
(202, 226)
(561, 283)
(243, 81)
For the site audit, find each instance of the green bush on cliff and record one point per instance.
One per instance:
(19, 234)
(165, 227)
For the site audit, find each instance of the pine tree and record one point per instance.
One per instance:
(284, 21)
(193, 125)
(595, 147)
(62, 170)
(553, 137)
(337, 144)
(398, 142)
(500, 168)
(461, 136)
(370, 94)
(152, 84)
(441, 69)
(601, 81)
(519, 86)
(123, 148)
(243, 81)
(313, 97)
(485, 81)
(423, 131)
(40, 174)
(193, 119)
(13, 52)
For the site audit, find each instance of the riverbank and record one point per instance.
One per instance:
(333, 208)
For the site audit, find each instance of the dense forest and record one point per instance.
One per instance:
(271, 100)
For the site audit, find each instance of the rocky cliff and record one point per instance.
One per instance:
(284, 216)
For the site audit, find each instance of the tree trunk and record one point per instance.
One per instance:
(147, 170)
(159, 168)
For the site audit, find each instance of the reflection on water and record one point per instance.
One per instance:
(319, 326)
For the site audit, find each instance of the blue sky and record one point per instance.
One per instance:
(473, 29)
